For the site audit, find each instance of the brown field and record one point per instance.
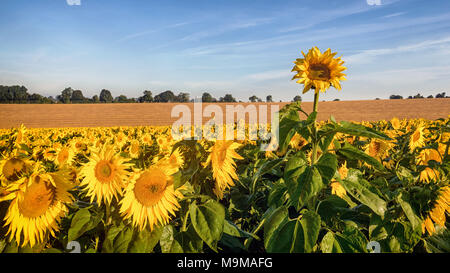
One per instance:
(133, 114)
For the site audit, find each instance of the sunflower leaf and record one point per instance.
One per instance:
(208, 221)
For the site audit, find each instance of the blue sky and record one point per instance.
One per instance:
(243, 47)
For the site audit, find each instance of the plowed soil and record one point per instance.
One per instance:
(137, 114)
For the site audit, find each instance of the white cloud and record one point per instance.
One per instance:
(369, 55)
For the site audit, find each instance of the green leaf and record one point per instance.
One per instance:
(308, 184)
(287, 129)
(79, 225)
(404, 201)
(359, 130)
(329, 244)
(273, 225)
(122, 241)
(283, 240)
(111, 234)
(354, 185)
(187, 242)
(233, 230)
(166, 239)
(327, 165)
(310, 223)
(295, 166)
(208, 221)
(352, 240)
(352, 152)
(145, 240)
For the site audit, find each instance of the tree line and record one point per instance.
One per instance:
(19, 94)
(419, 96)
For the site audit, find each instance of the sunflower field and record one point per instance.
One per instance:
(329, 187)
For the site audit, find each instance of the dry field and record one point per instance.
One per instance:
(133, 114)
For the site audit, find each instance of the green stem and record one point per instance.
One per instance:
(315, 140)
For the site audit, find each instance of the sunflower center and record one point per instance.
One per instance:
(319, 72)
(104, 171)
(150, 187)
(36, 199)
(13, 168)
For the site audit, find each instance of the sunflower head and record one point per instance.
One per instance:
(13, 168)
(37, 206)
(417, 138)
(319, 70)
(223, 166)
(150, 198)
(105, 174)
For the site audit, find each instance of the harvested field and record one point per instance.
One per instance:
(134, 114)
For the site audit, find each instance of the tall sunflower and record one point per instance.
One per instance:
(319, 70)
(37, 205)
(150, 198)
(104, 176)
(222, 160)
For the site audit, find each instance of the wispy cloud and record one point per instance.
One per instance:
(394, 14)
(369, 55)
(242, 24)
(147, 32)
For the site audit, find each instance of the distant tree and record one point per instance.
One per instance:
(105, 96)
(95, 99)
(254, 98)
(430, 97)
(297, 98)
(377, 99)
(418, 96)
(336, 100)
(227, 98)
(166, 96)
(121, 99)
(440, 95)
(36, 98)
(410, 97)
(147, 97)
(66, 95)
(77, 97)
(269, 98)
(206, 97)
(395, 97)
(182, 97)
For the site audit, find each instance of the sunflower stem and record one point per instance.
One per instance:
(315, 140)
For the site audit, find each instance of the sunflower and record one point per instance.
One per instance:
(12, 169)
(172, 162)
(395, 122)
(336, 187)
(423, 158)
(437, 213)
(150, 198)
(377, 148)
(297, 141)
(103, 177)
(222, 160)
(64, 155)
(134, 148)
(39, 202)
(417, 139)
(319, 70)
